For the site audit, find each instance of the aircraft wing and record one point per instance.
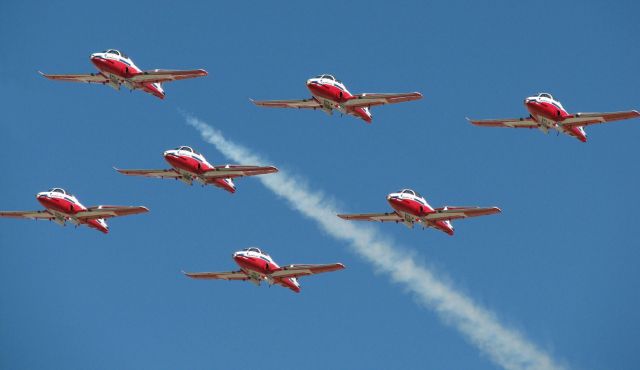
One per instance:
(231, 171)
(166, 75)
(292, 271)
(230, 275)
(34, 215)
(162, 174)
(452, 213)
(371, 100)
(110, 211)
(382, 217)
(89, 77)
(586, 119)
(507, 122)
(304, 103)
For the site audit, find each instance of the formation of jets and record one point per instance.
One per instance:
(328, 94)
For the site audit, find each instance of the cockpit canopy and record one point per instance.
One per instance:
(115, 52)
(410, 192)
(253, 249)
(545, 95)
(186, 149)
(58, 190)
(328, 77)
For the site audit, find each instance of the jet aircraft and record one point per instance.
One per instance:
(116, 69)
(546, 113)
(257, 266)
(187, 166)
(410, 207)
(329, 94)
(60, 207)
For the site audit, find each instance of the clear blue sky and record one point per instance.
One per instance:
(560, 263)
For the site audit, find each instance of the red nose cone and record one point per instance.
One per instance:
(44, 201)
(172, 159)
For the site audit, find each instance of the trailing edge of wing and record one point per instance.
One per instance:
(302, 270)
(87, 77)
(166, 75)
(163, 173)
(370, 100)
(33, 215)
(381, 217)
(110, 211)
(304, 103)
(451, 213)
(586, 119)
(230, 275)
(507, 122)
(238, 171)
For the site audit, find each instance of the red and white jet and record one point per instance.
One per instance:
(329, 94)
(117, 69)
(546, 113)
(410, 207)
(61, 207)
(256, 266)
(188, 165)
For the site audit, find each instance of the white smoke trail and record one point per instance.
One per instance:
(504, 346)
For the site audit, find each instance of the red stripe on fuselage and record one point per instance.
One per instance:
(337, 96)
(263, 268)
(553, 113)
(123, 71)
(418, 210)
(69, 209)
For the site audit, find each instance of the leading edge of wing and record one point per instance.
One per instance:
(302, 270)
(506, 122)
(586, 119)
(33, 215)
(87, 77)
(111, 211)
(451, 213)
(161, 173)
(310, 103)
(166, 75)
(381, 217)
(373, 99)
(226, 275)
(229, 171)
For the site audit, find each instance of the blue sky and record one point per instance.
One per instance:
(559, 265)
